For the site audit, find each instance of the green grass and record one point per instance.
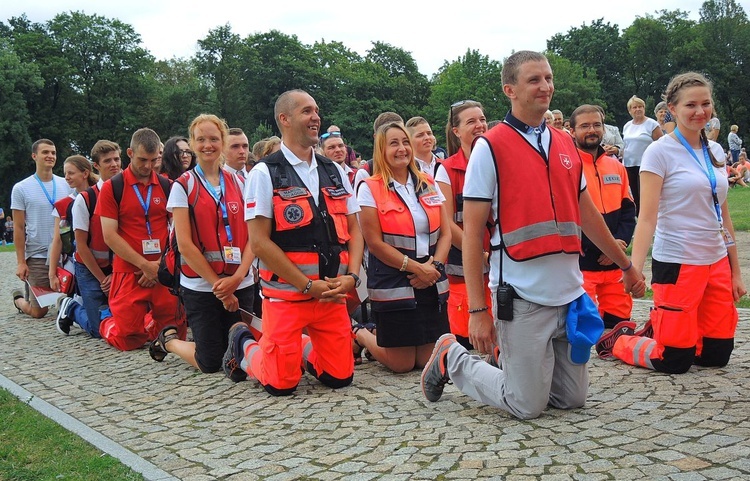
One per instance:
(8, 248)
(35, 448)
(739, 208)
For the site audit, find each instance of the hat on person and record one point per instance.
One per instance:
(584, 326)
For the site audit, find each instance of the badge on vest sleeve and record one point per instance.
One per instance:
(292, 193)
(293, 214)
(431, 200)
(566, 162)
(336, 193)
(612, 179)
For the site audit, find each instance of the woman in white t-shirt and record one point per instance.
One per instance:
(406, 228)
(696, 274)
(637, 135)
(207, 208)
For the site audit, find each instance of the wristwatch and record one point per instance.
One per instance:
(438, 265)
(357, 280)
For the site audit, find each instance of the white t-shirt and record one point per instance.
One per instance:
(421, 222)
(178, 198)
(442, 176)
(687, 228)
(81, 219)
(259, 188)
(428, 167)
(552, 280)
(28, 196)
(359, 177)
(637, 138)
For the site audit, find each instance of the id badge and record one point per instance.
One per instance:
(151, 246)
(728, 240)
(232, 255)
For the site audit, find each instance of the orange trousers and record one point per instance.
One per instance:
(694, 319)
(458, 307)
(139, 313)
(608, 292)
(279, 358)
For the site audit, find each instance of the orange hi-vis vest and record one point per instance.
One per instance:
(388, 288)
(538, 211)
(208, 228)
(313, 236)
(100, 250)
(607, 183)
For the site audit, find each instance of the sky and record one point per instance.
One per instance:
(433, 31)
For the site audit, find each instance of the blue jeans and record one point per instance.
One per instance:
(87, 316)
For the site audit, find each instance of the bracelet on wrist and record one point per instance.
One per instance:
(404, 263)
(626, 269)
(479, 309)
(308, 286)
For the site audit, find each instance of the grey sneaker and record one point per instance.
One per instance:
(232, 368)
(63, 322)
(435, 373)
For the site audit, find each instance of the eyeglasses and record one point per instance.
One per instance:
(183, 153)
(329, 134)
(459, 104)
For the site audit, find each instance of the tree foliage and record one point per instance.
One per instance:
(78, 78)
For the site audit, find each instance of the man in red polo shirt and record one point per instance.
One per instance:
(133, 211)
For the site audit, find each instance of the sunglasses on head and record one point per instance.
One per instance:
(458, 104)
(330, 134)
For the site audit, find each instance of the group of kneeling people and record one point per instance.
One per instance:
(515, 294)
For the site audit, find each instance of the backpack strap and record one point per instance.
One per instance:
(118, 185)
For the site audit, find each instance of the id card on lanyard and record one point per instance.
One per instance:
(232, 254)
(711, 175)
(150, 245)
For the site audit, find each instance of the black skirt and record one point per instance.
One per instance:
(413, 327)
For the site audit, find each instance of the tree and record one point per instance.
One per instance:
(574, 85)
(18, 82)
(725, 34)
(600, 47)
(218, 64)
(472, 76)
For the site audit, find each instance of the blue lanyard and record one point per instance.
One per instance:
(709, 170)
(145, 205)
(220, 198)
(54, 189)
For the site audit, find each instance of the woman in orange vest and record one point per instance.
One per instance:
(405, 226)
(80, 176)
(207, 207)
(466, 122)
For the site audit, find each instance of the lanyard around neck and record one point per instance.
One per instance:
(709, 169)
(46, 193)
(220, 198)
(145, 204)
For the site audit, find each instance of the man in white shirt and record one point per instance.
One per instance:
(534, 279)
(237, 152)
(32, 201)
(301, 214)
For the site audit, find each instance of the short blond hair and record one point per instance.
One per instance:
(636, 100)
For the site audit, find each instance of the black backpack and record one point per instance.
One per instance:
(169, 264)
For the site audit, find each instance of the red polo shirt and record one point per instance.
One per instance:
(131, 217)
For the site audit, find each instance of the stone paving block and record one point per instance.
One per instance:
(636, 424)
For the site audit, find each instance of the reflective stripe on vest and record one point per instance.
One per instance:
(388, 288)
(207, 229)
(536, 221)
(307, 262)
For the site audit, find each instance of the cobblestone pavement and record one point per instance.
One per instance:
(635, 425)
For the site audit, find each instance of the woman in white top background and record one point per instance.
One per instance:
(637, 135)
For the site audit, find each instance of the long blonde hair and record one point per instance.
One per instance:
(380, 167)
